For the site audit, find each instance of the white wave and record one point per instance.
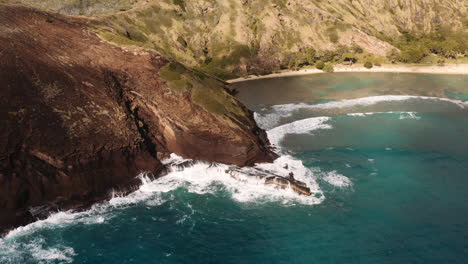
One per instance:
(403, 115)
(409, 115)
(338, 180)
(298, 127)
(267, 121)
(60, 219)
(364, 101)
(270, 117)
(205, 178)
(37, 249)
(51, 255)
(359, 114)
(199, 177)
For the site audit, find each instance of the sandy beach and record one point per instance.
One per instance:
(447, 69)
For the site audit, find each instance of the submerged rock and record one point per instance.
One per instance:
(283, 183)
(81, 117)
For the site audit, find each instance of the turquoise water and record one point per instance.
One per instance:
(461, 96)
(394, 180)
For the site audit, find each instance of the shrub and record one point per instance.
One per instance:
(340, 51)
(301, 60)
(310, 54)
(288, 62)
(180, 3)
(328, 67)
(350, 57)
(328, 55)
(320, 65)
(368, 64)
(449, 49)
(441, 62)
(394, 55)
(357, 49)
(333, 36)
(412, 54)
(182, 41)
(378, 64)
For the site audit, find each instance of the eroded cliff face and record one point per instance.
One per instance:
(81, 117)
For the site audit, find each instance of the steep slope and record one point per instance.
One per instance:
(236, 37)
(81, 117)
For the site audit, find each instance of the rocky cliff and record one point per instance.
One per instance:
(82, 117)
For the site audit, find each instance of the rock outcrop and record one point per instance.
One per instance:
(82, 117)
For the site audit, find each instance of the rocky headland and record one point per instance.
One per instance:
(82, 117)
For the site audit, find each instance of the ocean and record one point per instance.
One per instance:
(385, 156)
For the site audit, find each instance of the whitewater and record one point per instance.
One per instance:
(208, 178)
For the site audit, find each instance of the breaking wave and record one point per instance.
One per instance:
(244, 185)
(270, 117)
(37, 249)
(285, 108)
(403, 115)
(297, 127)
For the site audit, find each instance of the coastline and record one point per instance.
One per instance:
(432, 69)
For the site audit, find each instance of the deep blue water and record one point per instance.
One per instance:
(395, 187)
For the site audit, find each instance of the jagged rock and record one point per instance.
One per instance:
(269, 178)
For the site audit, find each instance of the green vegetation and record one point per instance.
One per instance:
(298, 59)
(413, 54)
(356, 49)
(368, 65)
(328, 68)
(443, 42)
(441, 62)
(348, 56)
(180, 3)
(205, 91)
(320, 65)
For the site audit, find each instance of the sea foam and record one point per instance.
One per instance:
(297, 127)
(403, 115)
(37, 249)
(336, 179)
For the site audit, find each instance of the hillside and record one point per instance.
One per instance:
(239, 37)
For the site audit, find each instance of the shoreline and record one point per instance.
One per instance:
(431, 69)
